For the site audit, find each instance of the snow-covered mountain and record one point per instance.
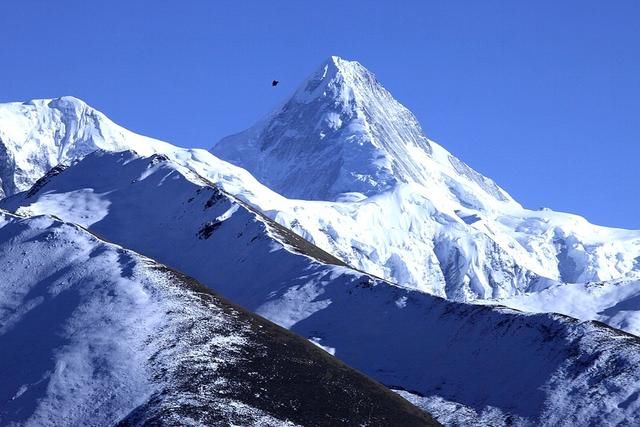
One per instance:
(342, 133)
(40, 134)
(404, 208)
(360, 186)
(93, 334)
(468, 364)
(431, 223)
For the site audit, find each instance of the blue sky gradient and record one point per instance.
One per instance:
(543, 97)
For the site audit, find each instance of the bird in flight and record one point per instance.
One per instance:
(275, 83)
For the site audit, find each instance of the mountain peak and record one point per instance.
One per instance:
(339, 80)
(346, 66)
(65, 104)
(69, 105)
(39, 134)
(340, 64)
(343, 136)
(341, 132)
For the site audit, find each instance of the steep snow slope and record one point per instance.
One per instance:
(492, 364)
(615, 302)
(429, 218)
(342, 132)
(39, 134)
(92, 334)
(329, 138)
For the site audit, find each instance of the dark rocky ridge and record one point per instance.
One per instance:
(282, 374)
(265, 375)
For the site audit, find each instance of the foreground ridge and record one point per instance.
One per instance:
(123, 339)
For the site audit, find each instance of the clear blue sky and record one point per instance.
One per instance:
(542, 96)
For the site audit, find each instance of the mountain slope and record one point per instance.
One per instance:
(343, 132)
(321, 142)
(446, 230)
(92, 334)
(422, 215)
(40, 134)
(493, 364)
(614, 302)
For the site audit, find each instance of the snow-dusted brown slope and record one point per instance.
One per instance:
(93, 334)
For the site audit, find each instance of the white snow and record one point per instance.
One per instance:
(615, 302)
(90, 332)
(548, 367)
(39, 134)
(84, 206)
(431, 222)
(317, 341)
(435, 223)
(364, 183)
(75, 325)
